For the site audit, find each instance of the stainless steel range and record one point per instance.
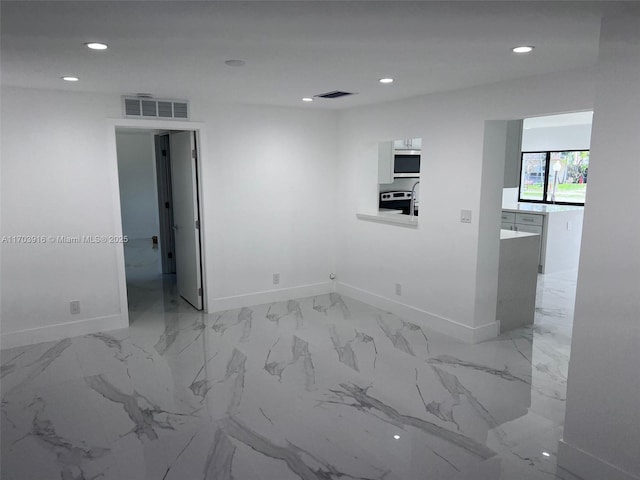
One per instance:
(398, 200)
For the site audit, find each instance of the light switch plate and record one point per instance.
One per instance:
(465, 216)
(74, 307)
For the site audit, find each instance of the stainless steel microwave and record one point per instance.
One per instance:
(406, 163)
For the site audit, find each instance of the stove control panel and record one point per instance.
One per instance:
(391, 196)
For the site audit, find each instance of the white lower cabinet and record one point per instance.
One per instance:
(507, 226)
(517, 280)
(529, 219)
(559, 233)
(529, 228)
(527, 222)
(509, 217)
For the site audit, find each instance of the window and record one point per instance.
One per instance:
(532, 176)
(554, 177)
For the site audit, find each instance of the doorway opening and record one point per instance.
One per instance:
(541, 215)
(160, 212)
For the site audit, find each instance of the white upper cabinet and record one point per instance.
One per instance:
(385, 162)
(408, 144)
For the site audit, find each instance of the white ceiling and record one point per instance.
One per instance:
(177, 49)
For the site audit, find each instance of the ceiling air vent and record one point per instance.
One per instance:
(334, 94)
(147, 107)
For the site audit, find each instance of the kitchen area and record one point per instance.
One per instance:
(559, 229)
(542, 201)
(399, 177)
(398, 185)
(545, 182)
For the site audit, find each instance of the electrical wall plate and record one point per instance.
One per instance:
(465, 216)
(74, 307)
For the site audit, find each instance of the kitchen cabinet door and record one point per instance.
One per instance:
(508, 217)
(408, 144)
(385, 162)
(529, 219)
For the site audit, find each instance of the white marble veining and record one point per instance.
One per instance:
(314, 388)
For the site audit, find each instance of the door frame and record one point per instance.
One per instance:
(112, 155)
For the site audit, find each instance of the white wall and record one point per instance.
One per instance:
(602, 424)
(487, 267)
(513, 149)
(56, 181)
(439, 265)
(138, 185)
(566, 137)
(270, 202)
(268, 179)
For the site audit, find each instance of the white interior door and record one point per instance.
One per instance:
(185, 217)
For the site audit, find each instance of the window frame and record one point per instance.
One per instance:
(547, 172)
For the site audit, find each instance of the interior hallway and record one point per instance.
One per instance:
(313, 388)
(148, 290)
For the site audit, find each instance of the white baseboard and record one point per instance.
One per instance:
(422, 317)
(63, 330)
(588, 466)
(269, 296)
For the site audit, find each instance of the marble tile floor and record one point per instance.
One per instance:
(314, 388)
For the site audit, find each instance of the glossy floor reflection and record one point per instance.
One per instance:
(314, 388)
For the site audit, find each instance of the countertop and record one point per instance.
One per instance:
(539, 207)
(511, 234)
(393, 217)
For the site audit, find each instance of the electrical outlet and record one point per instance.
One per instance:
(465, 216)
(74, 307)
(569, 226)
(276, 278)
(398, 289)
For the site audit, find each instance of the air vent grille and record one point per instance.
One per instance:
(149, 108)
(134, 107)
(334, 94)
(165, 109)
(180, 110)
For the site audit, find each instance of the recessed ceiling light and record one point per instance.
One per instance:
(397, 437)
(386, 80)
(96, 46)
(235, 63)
(522, 49)
(70, 78)
(546, 454)
(307, 99)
